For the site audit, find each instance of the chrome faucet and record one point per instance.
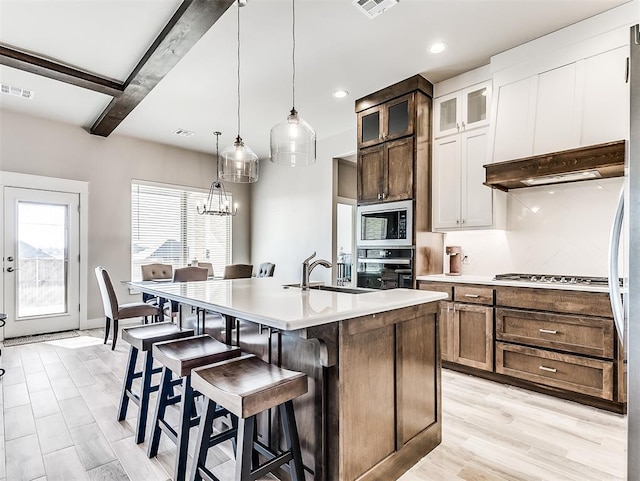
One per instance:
(307, 268)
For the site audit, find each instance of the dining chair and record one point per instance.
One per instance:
(237, 271)
(191, 273)
(266, 269)
(209, 267)
(188, 274)
(114, 311)
(151, 272)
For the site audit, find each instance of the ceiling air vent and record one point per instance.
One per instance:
(373, 8)
(183, 133)
(17, 91)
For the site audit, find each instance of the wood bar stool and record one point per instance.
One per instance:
(142, 338)
(247, 386)
(179, 358)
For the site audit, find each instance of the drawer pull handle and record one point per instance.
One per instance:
(548, 369)
(548, 331)
(475, 296)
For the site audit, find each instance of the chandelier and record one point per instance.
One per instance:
(218, 202)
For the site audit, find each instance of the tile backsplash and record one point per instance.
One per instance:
(557, 229)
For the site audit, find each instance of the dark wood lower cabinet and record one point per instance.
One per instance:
(473, 336)
(584, 375)
(373, 406)
(560, 342)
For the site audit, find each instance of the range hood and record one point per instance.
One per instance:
(594, 162)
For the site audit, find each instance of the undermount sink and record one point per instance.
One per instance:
(344, 290)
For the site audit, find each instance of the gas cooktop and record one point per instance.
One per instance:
(551, 279)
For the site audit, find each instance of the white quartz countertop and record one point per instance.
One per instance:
(267, 301)
(488, 280)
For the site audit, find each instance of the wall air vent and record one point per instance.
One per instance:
(17, 91)
(184, 133)
(373, 8)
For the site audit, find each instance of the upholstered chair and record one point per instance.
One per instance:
(114, 311)
(266, 269)
(208, 266)
(237, 271)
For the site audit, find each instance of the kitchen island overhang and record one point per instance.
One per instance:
(372, 359)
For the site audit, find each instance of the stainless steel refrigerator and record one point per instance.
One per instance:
(627, 314)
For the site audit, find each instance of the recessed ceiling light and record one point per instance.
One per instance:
(340, 94)
(438, 47)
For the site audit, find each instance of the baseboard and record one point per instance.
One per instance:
(98, 323)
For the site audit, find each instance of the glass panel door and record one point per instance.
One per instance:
(476, 105)
(41, 265)
(449, 114)
(42, 259)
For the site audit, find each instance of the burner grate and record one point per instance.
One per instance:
(554, 279)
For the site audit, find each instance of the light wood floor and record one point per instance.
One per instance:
(59, 405)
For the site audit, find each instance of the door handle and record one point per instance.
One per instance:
(10, 269)
(10, 259)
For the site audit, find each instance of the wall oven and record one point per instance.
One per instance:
(380, 268)
(388, 224)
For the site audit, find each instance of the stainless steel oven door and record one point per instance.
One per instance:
(385, 273)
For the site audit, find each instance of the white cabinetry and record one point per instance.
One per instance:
(573, 105)
(462, 110)
(605, 112)
(460, 200)
(556, 111)
(514, 120)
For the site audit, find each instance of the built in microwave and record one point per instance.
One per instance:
(388, 224)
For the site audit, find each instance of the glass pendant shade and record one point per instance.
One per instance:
(293, 142)
(238, 163)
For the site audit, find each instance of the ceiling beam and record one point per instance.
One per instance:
(190, 22)
(57, 71)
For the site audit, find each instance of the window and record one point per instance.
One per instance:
(166, 229)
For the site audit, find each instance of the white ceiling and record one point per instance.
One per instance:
(337, 47)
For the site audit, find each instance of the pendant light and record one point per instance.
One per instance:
(293, 142)
(218, 202)
(239, 163)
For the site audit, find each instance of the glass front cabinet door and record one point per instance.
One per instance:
(388, 121)
(462, 110)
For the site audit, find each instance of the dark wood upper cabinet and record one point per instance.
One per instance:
(394, 138)
(389, 121)
(385, 171)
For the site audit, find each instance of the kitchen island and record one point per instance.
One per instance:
(372, 360)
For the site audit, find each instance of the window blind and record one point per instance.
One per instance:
(166, 229)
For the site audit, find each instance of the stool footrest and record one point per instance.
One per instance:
(223, 436)
(206, 474)
(168, 430)
(275, 462)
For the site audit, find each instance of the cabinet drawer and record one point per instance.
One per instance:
(593, 336)
(447, 288)
(473, 295)
(563, 371)
(555, 300)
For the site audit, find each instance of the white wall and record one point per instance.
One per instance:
(41, 147)
(562, 229)
(292, 211)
